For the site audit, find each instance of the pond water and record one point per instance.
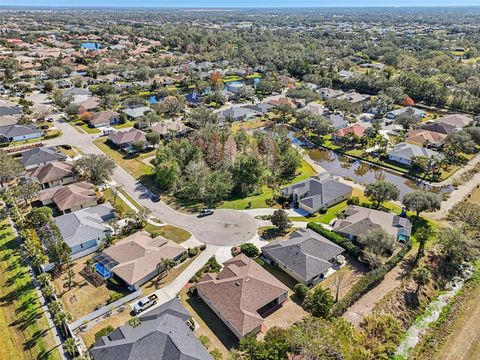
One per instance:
(359, 171)
(91, 46)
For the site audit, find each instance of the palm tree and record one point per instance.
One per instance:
(48, 291)
(44, 279)
(61, 320)
(70, 346)
(134, 322)
(421, 275)
(164, 265)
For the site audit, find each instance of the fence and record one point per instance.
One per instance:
(106, 309)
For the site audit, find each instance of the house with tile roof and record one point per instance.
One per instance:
(354, 129)
(70, 197)
(424, 137)
(53, 174)
(163, 334)
(359, 220)
(404, 152)
(306, 256)
(242, 294)
(135, 259)
(317, 192)
(84, 230)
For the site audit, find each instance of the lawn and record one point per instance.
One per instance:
(121, 207)
(79, 124)
(133, 165)
(126, 124)
(83, 297)
(115, 320)
(170, 232)
(259, 200)
(24, 329)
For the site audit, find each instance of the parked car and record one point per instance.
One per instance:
(145, 303)
(205, 212)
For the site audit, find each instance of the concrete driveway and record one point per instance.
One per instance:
(223, 228)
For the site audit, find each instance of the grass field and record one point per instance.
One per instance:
(170, 232)
(133, 165)
(24, 331)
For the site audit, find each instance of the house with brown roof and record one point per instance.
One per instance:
(242, 295)
(354, 129)
(439, 127)
(89, 104)
(125, 139)
(457, 120)
(170, 127)
(53, 174)
(69, 198)
(136, 259)
(358, 220)
(424, 137)
(104, 118)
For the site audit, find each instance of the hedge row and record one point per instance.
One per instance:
(350, 247)
(369, 281)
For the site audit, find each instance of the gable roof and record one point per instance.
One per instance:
(66, 197)
(161, 335)
(139, 254)
(86, 224)
(41, 155)
(359, 220)
(124, 137)
(136, 112)
(407, 151)
(103, 117)
(239, 291)
(306, 253)
(14, 130)
(53, 171)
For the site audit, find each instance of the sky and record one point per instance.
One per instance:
(238, 3)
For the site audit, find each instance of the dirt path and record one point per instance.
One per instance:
(464, 341)
(367, 302)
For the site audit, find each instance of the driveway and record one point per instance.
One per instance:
(223, 228)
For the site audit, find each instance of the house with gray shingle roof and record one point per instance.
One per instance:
(17, 132)
(84, 230)
(306, 256)
(317, 192)
(358, 220)
(40, 156)
(163, 334)
(404, 152)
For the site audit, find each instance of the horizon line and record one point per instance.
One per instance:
(233, 7)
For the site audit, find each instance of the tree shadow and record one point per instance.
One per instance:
(30, 343)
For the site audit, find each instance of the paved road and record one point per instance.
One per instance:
(223, 228)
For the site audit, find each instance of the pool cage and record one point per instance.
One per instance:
(104, 264)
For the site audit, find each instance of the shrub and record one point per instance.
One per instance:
(104, 332)
(192, 252)
(250, 250)
(301, 290)
(203, 247)
(354, 200)
(183, 257)
(369, 281)
(52, 135)
(340, 240)
(114, 297)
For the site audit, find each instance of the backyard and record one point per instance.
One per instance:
(23, 323)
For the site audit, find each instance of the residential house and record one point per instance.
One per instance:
(306, 256)
(234, 87)
(15, 132)
(238, 113)
(73, 92)
(163, 334)
(392, 115)
(125, 139)
(359, 220)
(242, 294)
(70, 197)
(90, 104)
(338, 121)
(261, 108)
(317, 192)
(404, 152)
(84, 230)
(346, 74)
(328, 93)
(354, 129)
(137, 258)
(283, 101)
(354, 97)
(53, 174)
(440, 127)
(423, 137)
(137, 112)
(9, 109)
(315, 108)
(40, 156)
(457, 120)
(170, 127)
(104, 118)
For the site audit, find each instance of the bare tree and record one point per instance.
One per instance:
(338, 279)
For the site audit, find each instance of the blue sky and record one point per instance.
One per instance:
(239, 3)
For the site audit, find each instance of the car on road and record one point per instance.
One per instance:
(205, 212)
(155, 197)
(145, 303)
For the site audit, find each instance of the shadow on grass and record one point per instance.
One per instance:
(30, 343)
(221, 331)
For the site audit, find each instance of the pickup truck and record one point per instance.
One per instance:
(145, 303)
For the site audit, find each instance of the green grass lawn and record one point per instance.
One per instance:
(133, 165)
(79, 124)
(24, 329)
(170, 232)
(259, 200)
(127, 124)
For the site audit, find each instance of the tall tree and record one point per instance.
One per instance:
(95, 168)
(381, 191)
(9, 167)
(421, 200)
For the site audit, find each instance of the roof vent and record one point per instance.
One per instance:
(237, 283)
